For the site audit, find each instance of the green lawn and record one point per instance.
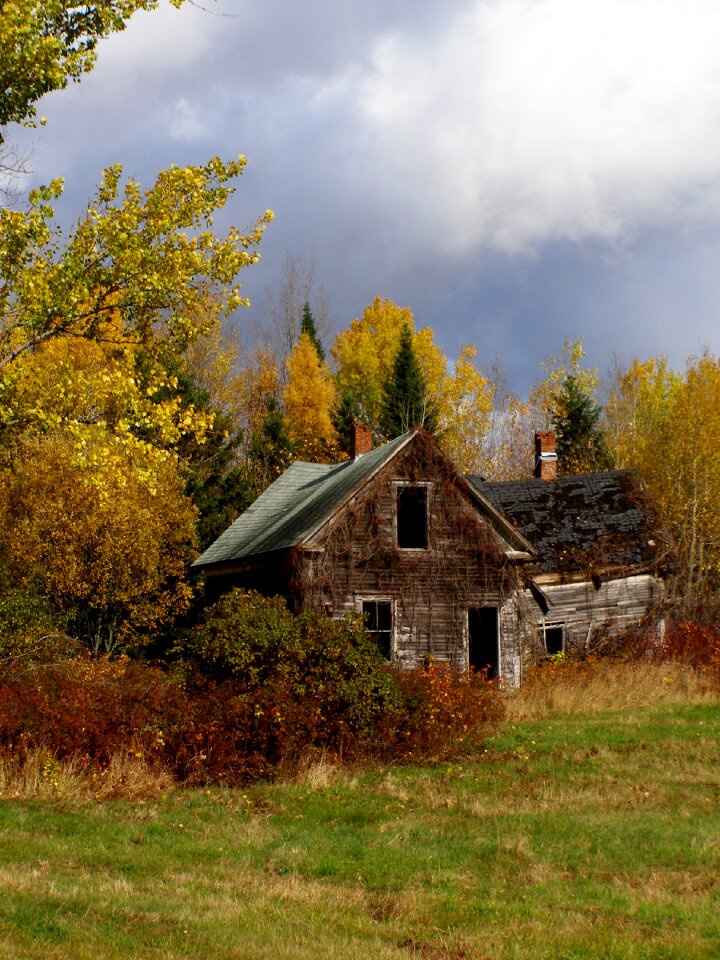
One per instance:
(588, 837)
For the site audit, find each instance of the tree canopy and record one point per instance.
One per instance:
(581, 446)
(45, 44)
(141, 271)
(310, 398)
(406, 402)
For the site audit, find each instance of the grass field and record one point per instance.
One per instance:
(595, 834)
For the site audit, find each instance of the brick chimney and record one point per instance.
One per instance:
(360, 439)
(545, 456)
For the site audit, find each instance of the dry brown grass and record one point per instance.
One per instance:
(317, 770)
(581, 688)
(40, 774)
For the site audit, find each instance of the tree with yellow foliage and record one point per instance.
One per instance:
(667, 426)
(309, 398)
(635, 411)
(46, 43)
(364, 355)
(684, 476)
(464, 404)
(103, 528)
(149, 259)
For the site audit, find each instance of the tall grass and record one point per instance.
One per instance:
(568, 839)
(566, 687)
(40, 774)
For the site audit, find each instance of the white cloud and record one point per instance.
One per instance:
(186, 121)
(162, 40)
(535, 120)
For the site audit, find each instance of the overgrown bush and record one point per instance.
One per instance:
(443, 712)
(29, 633)
(274, 685)
(696, 644)
(90, 709)
(253, 689)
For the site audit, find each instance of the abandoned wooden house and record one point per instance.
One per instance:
(473, 573)
(599, 559)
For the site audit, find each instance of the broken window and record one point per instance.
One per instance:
(378, 619)
(412, 517)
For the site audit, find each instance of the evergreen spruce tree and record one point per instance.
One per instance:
(271, 450)
(581, 446)
(307, 325)
(406, 402)
(215, 479)
(346, 412)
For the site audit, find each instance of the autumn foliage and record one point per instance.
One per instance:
(253, 689)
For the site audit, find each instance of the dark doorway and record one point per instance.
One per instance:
(554, 640)
(483, 646)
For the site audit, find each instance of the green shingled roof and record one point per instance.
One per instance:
(293, 507)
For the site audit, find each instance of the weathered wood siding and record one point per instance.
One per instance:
(357, 558)
(588, 613)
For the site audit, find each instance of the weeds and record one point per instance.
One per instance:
(39, 773)
(568, 687)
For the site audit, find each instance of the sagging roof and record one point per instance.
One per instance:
(295, 505)
(594, 519)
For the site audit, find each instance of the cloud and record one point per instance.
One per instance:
(185, 121)
(528, 121)
(516, 171)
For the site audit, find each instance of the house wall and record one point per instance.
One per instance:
(431, 589)
(591, 616)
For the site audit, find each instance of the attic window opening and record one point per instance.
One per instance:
(412, 516)
(379, 622)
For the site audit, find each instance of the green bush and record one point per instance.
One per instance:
(324, 678)
(244, 637)
(29, 634)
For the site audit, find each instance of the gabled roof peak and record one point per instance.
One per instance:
(296, 505)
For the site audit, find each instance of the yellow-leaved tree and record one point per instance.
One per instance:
(94, 328)
(667, 426)
(464, 407)
(685, 476)
(46, 43)
(103, 528)
(635, 410)
(364, 355)
(309, 398)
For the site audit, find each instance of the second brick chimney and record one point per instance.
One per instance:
(545, 456)
(360, 439)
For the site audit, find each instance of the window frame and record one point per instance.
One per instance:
(379, 598)
(399, 485)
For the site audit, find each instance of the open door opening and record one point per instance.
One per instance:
(483, 640)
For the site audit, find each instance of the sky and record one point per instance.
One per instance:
(517, 172)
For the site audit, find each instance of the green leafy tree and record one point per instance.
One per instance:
(581, 445)
(346, 412)
(406, 402)
(217, 481)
